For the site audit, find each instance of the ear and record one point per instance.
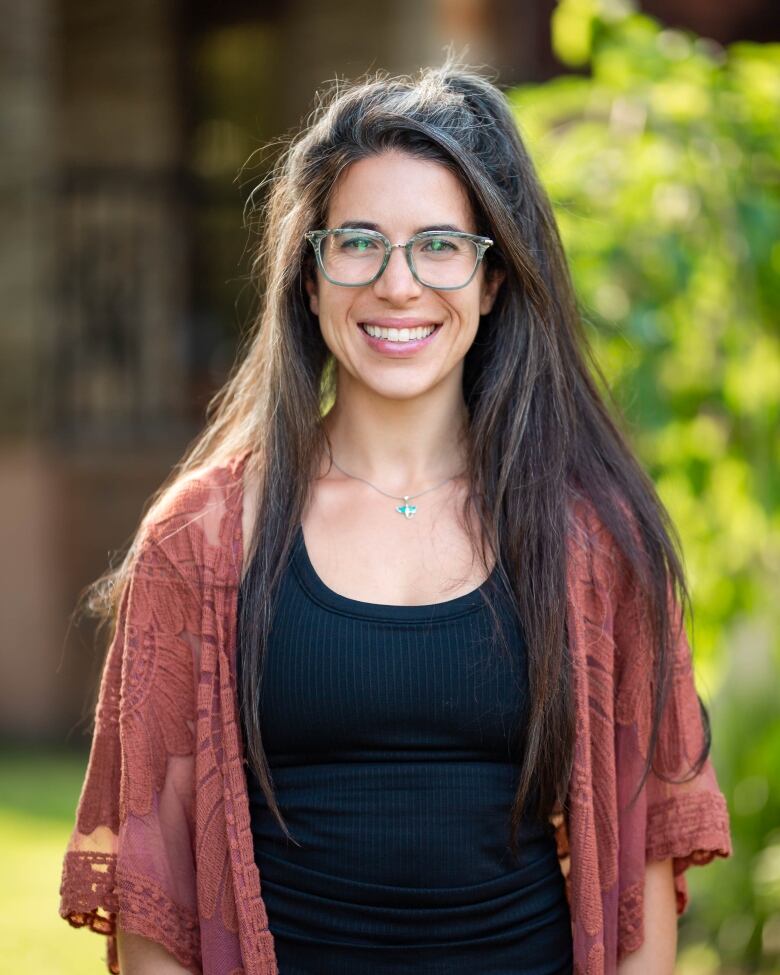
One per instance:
(490, 286)
(312, 290)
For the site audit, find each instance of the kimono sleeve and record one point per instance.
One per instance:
(131, 852)
(679, 813)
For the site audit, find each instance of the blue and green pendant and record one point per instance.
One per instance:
(406, 509)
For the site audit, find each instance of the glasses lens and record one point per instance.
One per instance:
(442, 261)
(351, 257)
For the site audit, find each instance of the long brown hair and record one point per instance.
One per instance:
(540, 433)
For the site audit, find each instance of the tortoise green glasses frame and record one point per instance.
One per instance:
(438, 269)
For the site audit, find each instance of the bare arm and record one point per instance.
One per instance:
(142, 956)
(656, 955)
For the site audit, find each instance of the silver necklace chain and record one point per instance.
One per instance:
(406, 509)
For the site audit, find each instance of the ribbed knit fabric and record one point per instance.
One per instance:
(393, 735)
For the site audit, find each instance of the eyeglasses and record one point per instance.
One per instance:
(441, 259)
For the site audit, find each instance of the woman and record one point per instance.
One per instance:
(399, 680)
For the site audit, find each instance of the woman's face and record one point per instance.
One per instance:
(400, 195)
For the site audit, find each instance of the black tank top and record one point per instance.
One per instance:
(392, 735)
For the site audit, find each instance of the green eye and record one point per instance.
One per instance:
(359, 244)
(438, 245)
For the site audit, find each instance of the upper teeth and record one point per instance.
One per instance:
(399, 334)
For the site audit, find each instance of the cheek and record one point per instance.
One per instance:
(468, 311)
(334, 310)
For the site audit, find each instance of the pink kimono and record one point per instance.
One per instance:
(162, 833)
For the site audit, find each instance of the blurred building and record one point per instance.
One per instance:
(132, 135)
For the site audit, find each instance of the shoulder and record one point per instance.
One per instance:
(597, 542)
(588, 529)
(197, 518)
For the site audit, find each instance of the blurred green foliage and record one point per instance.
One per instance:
(662, 159)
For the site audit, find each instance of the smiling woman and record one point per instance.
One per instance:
(467, 739)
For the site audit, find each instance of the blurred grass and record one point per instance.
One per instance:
(39, 789)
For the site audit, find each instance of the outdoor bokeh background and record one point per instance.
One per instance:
(132, 136)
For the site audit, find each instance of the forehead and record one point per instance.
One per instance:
(399, 193)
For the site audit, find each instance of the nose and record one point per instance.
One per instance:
(397, 284)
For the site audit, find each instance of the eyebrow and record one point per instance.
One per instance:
(368, 225)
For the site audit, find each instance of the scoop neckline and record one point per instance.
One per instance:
(318, 590)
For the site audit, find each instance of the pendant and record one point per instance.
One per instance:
(406, 509)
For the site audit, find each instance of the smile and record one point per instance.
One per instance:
(399, 335)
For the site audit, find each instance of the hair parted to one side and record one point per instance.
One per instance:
(540, 434)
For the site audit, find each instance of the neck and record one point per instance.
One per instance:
(401, 445)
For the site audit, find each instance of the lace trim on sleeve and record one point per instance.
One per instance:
(689, 828)
(90, 898)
